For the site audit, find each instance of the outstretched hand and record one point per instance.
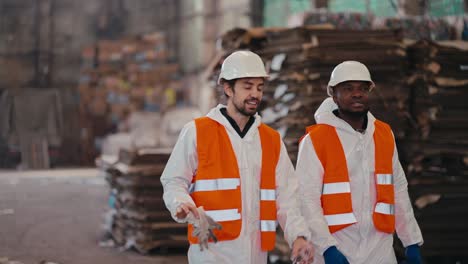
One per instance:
(302, 252)
(203, 227)
(184, 209)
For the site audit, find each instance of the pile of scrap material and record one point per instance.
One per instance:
(412, 27)
(437, 147)
(341, 20)
(435, 28)
(438, 103)
(121, 77)
(140, 219)
(300, 61)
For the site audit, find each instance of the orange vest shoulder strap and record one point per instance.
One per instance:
(307, 132)
(384, 147)
(270, 140)
(203, 123)
(325, 138)
(271, 146)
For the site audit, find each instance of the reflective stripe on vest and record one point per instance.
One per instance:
(216, 186)
(385, 208)
(338, 187)
(224, 215)
(340, 219)
(267, 195)
(336, 192)
(384, 179)
(268, 225)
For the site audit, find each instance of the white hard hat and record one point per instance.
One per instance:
(242, 64)
(349, 71)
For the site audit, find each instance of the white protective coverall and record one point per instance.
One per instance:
(182, 165)
(360, 242)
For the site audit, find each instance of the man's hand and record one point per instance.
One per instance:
(203, 228)
(302, 251)
(413, 254)
(184, 209)
(333, 256)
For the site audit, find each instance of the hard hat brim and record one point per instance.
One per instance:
(329, 86)
(266, 76)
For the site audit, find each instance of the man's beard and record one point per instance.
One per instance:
(356, 115)
(243, 110)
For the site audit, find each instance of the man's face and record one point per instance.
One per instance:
(352, 97)
(246, 95)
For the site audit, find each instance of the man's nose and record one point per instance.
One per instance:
(255, 93)
(357, 92)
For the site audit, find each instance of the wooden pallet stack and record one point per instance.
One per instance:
(141, 220)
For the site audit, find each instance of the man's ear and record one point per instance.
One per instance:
(333, 89)
(227, 89)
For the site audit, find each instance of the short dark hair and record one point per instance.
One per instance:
(231, 84)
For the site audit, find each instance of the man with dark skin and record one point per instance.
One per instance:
(352, 187)
(352, 98)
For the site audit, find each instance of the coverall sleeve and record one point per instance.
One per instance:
(179, 171)
(289, 215)
(405, 223)
(309, 171)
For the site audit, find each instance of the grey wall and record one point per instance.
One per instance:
(41, 40)
(202, 22)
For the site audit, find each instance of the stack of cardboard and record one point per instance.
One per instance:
(412, 27)
(437, 147)
(140, 218)
(119, 77)
(300, 61)
(416, 27)
(341, 20)
(440, 77)
(438, 107)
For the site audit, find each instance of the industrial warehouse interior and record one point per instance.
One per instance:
(95, 96)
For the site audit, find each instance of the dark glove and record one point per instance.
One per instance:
(413, 255)
(333, 256)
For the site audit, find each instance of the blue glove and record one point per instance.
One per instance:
(333, 256)
(413, 255)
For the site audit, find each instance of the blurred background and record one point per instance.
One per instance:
(94, 93)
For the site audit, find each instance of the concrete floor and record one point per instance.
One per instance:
(56, 216)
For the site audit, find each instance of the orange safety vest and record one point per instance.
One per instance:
(216, 186)
(336, 191)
